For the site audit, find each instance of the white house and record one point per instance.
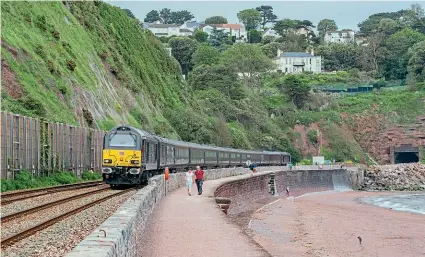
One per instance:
(191, 25)
(297, 62)
(167, 30)
(344, 36)
(237, 30)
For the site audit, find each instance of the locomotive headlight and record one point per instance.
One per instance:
(134, 171)
(106, 170)
(134, 162)
(107, 161)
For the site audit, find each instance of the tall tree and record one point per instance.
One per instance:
(250, 18)
(152, 16)
(337, 57)
(369, 56)
(165, 15)
(267, 15)
(325, 26)
(182, 48)
(248, 60)
(223, 136)
(181, 17)
(396, 58)
(282, 27)
(416, 64)
(297, 90)
(254, 36)
(220, 39)
(216, 20)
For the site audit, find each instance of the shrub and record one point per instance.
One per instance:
(87, 175)
(312, 136)
(71, 65)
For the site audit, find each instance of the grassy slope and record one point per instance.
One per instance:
(123, 74)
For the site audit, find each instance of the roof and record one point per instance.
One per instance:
(228, 26)
(162, 25)
(185, 30)
(193, 24)
(296, 54)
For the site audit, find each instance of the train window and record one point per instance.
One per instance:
(122, 140)
(210, 154)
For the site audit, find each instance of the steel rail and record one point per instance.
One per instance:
(5, 242)
(15, 215)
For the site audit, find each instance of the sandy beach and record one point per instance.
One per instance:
(329, 224)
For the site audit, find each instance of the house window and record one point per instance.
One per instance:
(310, 61)
(286, 69)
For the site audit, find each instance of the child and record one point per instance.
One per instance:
(189, 180)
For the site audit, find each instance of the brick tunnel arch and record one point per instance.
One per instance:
(406, 157)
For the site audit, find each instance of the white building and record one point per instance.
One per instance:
(344, 36)
(237, 30)
(297, 62)
(270, 32)
(167, 30)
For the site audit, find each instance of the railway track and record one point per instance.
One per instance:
(26, 194)
(8, 241)
(15, 215)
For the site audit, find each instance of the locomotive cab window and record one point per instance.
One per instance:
(122, 140)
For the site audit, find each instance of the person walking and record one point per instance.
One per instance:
(199, 174)
(189, 181)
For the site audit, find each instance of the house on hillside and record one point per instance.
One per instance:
(339, 37)
(191, 25)
(237, 30)
(167, 30)
(361, 39)
(298, 62)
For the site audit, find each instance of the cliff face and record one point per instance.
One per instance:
(85, 63)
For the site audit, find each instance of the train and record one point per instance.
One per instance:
(131, 156)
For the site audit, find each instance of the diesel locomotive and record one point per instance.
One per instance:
(131, 156)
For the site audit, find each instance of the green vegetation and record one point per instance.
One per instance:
(24, 180)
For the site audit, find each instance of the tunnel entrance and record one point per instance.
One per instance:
(406, 153)
(406, 157)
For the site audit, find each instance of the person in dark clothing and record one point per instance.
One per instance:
(199, 174)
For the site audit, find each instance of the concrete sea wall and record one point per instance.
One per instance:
(124, 228)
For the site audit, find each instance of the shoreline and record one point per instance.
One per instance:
(329, 224)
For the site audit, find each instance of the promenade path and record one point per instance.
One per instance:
(185, 226)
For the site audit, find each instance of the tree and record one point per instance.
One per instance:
(220, 39)
(182, 48)
(337, 57)
(389, 26)
(165, 15)
(129, 13)
(284, 26)
(267, 15)
(254, 36)
(200, 36)
(369, 56)
(371, 24)
(250, 18)
(270, 50)
(206, 55)
(152, 16)
(325, 26)
(180, 17)
(216, 20)
(396, 49)
(248, 60)
(416, 64)
(223, 136)
(268, 39)
(217, 77)
(297, 90)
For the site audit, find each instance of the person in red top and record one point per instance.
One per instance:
(199, 174)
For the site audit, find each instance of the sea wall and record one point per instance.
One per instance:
(395, 177)
(124, 229)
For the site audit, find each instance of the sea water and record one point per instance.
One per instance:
(414, 203)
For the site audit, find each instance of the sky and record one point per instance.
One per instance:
(347, 14)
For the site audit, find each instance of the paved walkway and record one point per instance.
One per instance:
(187, 226)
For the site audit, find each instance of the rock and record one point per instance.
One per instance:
(395, 177)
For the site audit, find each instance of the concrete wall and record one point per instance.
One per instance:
(125, 227)
(244, 190)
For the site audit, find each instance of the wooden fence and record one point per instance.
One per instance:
(43, 147)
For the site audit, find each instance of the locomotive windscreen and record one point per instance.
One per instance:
(122, 140)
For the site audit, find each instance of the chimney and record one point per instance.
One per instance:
(279, 52)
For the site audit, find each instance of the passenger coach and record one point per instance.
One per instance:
(132, 156)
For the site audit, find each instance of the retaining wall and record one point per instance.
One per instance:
(246, 189)
(124, 228)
